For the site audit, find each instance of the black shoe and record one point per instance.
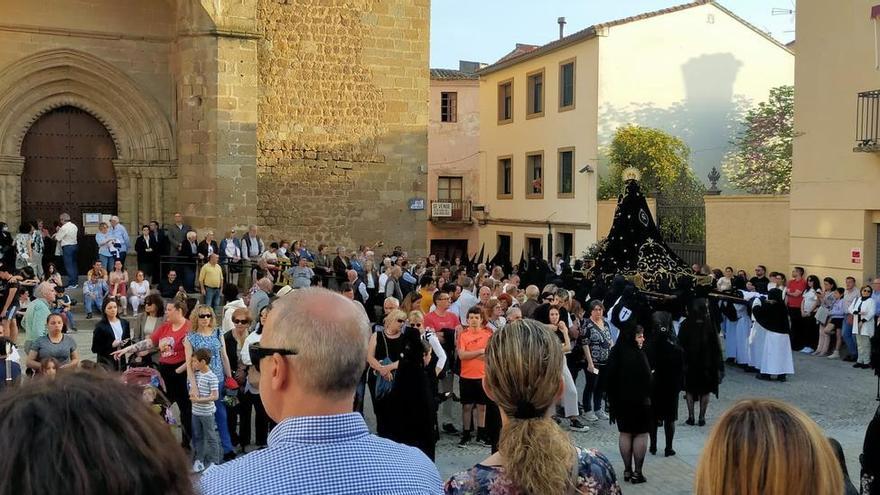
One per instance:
(701, 422)
(781, 378)
(482, 438)
(450, 428)
(858, 365)
(228, 456)
(731, 361)
(668, 453)
(850, 359)
(652, 450)
(690, 422)
(465, 439)
(638, 478)
(627, 475)
(88, 316)
(751, 369)
(762, 376)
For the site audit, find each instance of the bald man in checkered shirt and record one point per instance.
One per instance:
(310, 357)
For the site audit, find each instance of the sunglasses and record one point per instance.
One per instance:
(205, 316)
(417, 325)
(257, 353)
(240, 322)
(401, 321)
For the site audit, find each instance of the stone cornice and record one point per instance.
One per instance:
(126, 169)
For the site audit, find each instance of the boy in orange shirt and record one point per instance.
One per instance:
(471, 346)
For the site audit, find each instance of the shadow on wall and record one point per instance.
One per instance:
(706, 119)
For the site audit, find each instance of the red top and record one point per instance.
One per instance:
(793, 286)
(170, 342)
(437, 322)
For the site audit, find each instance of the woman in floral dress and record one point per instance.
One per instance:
(523, 373)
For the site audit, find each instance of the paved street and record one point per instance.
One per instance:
(838, 397)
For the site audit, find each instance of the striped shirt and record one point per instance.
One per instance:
(207, 383)
(325, 454)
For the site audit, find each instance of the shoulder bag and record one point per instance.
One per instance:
(383, 386)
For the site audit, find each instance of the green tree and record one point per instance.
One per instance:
(662, 160)
(760, 162)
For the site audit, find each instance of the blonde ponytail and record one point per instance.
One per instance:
(523, 373)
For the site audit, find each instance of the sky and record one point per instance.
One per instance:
(486, 30)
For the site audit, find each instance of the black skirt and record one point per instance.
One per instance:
(634, 420)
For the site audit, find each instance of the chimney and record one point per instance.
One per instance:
(561, 22)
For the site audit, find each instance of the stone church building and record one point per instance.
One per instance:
(305, 117)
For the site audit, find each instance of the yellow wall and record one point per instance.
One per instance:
(834, 190)
(691, 73)
(745, 231)
(574, 128)
(606, 209)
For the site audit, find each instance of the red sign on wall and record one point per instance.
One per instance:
(855, 255)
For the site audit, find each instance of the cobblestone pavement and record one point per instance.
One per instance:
(839, 398)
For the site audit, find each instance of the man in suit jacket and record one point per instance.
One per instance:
(177, 234)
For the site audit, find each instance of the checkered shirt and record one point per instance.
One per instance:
(325, 455)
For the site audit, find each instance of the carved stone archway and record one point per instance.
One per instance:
(41, 82)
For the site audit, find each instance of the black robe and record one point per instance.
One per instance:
(702, 352)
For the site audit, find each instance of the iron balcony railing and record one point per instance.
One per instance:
(451, 210)
(868, 122)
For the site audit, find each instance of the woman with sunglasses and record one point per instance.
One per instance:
(206, 335)
(146, 322)
(234, 341)
(863, 309)
(414, 419)
(169, 338)
(249, 399)
(383, 357)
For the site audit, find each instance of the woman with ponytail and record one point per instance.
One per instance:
(524, 377)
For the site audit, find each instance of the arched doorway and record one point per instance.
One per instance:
(68, 168)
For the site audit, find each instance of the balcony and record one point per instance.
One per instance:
(868, 122)
(451, 211)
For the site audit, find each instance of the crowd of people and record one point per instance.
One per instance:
(292, 341)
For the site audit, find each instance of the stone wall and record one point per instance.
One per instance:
(342, 132)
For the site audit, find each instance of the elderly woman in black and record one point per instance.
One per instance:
(629, 400)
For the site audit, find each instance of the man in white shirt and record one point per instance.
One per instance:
(466, 300)
(118, 231)
(66, 236)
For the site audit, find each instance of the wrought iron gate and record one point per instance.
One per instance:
(684, 230)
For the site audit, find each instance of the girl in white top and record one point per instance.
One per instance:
(138, 290)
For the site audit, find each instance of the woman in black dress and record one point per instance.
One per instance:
(704, 364)
(629, 399)
(668, 365)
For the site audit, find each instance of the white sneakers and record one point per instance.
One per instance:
(591, 416)
(198, 467)
(601, 415)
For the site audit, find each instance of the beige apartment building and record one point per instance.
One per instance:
(835, 204)
(453, 161)
(547, 112)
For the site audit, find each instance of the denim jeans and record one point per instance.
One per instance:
(70, 269)
(108, 262)
(849, 340)
(92, 304)
(212, 297)
(206, 447)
